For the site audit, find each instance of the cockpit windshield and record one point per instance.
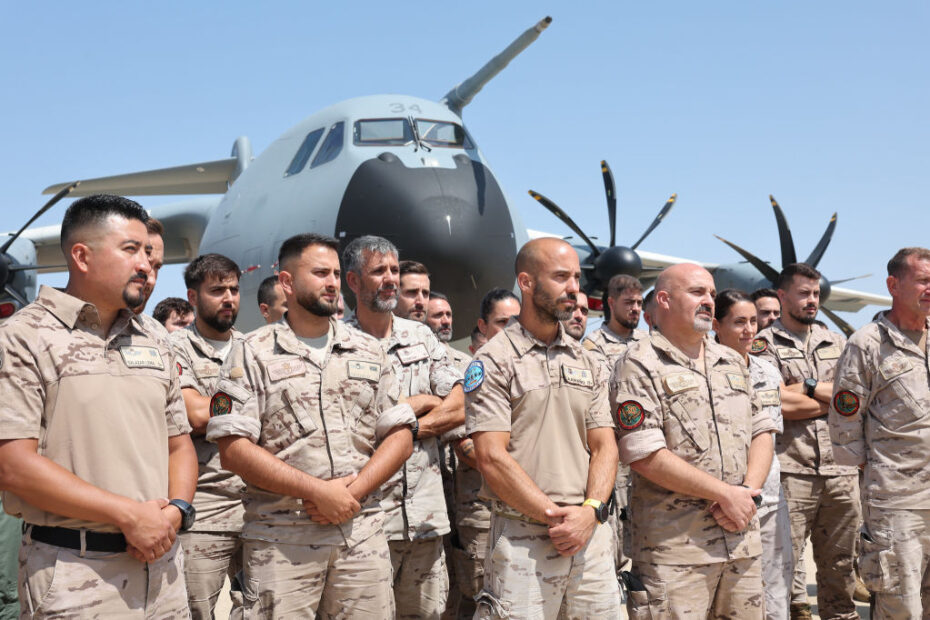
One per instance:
(399, 132)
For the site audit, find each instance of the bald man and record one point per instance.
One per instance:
(533, 392)
(700, 446)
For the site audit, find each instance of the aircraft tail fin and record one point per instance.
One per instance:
(462, 94)
(211, 177)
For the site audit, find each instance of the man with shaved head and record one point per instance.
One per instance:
(700, 446)
(93, 432)
(536, 408)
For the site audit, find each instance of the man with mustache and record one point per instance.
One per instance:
(822, 494)
(578, 322)
(536, 408)
(307, 415)
(95, 455)
(699, 444)
(768, 308)
(878, 421)
(413, 296)
(212, 548)
(413, 502)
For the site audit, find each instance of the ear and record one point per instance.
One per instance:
(81, 256)
(192, 297)
(781, 297)
(263, 308)
(353, 281)
(892, 283)
(482, 327)
(716, 325)
(286, 278)
(662, 299)
(525, 282)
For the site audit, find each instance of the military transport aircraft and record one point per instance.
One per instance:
(398, 166)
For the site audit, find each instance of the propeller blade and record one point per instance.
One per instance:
(764, 268)
(668, 207)
(559, 213)
(31, 267)
(788, 255)
(817, 254)
(610, 188)
(48, 205)
(12, 292)
(843, 325)
(844, 280)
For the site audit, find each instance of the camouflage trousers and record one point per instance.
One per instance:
(209, 558)
(620, 517)
(321, 581)
(777, 558)
(723, 590)
(467, 565)
(894, 562)
(525, 577)
(56, 582)
(421, 582)
(826, 508)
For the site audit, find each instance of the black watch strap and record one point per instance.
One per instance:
(415, 429)
(188, 513)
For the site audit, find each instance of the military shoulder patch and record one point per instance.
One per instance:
(220, 404)
(759, 346)
(180, 370)
(846, 403)
(474, 376)
(630, 415)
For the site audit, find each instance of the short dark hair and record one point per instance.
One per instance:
(476, 335)
(795, 269)
(759, 293)
(155, 227)
(437, 295)
(165, 307)
(492, 298)
(93, 210)
(647, 299)
(208, 265)
(294, 246)
(266, 290)
(622, 282)
(726, 299)
(898, 262)
(412, 266)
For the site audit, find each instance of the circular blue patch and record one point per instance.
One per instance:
(474, 376)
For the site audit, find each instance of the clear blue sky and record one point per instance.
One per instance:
(823, 104)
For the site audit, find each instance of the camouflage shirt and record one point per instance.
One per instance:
(804, 447)
(605, 343)
(880, 416)
(101, 407)
(705, 414)
(218, 500)
(766, 382)
(325, 421)
(547, 397)
(414, 503)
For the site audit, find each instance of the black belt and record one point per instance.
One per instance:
(71, 539)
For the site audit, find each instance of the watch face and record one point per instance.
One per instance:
(602, 513)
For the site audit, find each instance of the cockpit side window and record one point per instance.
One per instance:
(304, 152)
(332, 145)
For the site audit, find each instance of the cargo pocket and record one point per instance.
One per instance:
(877, 563)
(487, 606)
(251, 602)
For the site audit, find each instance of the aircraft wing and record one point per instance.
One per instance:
(849, 300)
(210, 177)
(184, 224)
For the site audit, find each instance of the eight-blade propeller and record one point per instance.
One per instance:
(604, 263)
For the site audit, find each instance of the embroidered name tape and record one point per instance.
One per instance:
(142, 357)
(578, 376)
(363, 370)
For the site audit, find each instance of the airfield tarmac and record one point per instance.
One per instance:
(223, 605)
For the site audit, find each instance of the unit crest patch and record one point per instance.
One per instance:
(220, 404)
(759, 346)
(180, 370)
(630, 415)
(474, 376)
(846, 403)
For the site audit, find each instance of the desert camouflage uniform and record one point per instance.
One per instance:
(103, 408)
(212, 548)
(706, 414)
(774, 522)
(325, 421)
(547, 397)
(610, 347)
(415, 511)
(880, 417)
(822, 495)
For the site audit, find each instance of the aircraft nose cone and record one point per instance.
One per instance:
(454, 221)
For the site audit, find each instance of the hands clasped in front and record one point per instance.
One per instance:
(333, 502)
(733, 511)
(570, 528)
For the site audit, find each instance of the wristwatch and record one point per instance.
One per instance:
(810, 385)
(188, 513)
(415, 429)
(600, 509)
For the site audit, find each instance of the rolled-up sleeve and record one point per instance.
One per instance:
(851, 399)
(236, 405)
(638, 410)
